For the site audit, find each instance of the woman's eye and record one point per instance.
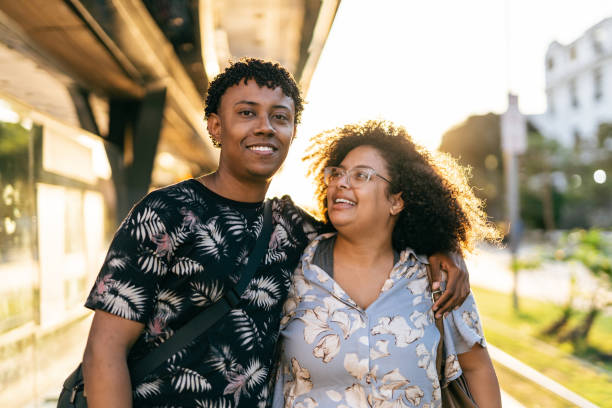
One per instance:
(362, 175)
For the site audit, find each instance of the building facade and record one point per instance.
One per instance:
(579, 88)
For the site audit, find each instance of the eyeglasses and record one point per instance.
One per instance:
(356, 176)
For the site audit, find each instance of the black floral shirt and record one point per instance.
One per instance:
(177, 252)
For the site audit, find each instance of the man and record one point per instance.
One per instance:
(183, 246)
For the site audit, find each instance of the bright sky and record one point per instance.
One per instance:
(428, 65)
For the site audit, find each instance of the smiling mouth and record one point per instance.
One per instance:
(343, 201)
(262, 148)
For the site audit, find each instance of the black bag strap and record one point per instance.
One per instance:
(440, 325)
(211, 315)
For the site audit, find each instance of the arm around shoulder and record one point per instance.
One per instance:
(105, 369)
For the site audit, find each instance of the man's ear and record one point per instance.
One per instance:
(213, 125)
(397, 203)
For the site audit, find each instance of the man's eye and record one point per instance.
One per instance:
(280, 116)
(246, 113)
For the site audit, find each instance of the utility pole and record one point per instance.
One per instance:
(514, 143)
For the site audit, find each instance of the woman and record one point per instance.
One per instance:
(358, 329)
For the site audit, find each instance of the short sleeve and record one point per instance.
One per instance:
(462, 328)
(310, 227)
(136, 260)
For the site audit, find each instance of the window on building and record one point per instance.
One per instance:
(551, 103)
(577, 139)
(550, 63)
(598, 40)
(572, 52)
(597, 84)
(573, 93)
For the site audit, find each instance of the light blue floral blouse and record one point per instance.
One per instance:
(335, 354)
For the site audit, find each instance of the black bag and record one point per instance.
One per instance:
(73, 390)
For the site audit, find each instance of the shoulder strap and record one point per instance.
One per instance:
(212, 314)
(440, 325)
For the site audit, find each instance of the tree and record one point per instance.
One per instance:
(593, 249)
(476, 143)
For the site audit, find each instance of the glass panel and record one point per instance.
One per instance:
(17, 268)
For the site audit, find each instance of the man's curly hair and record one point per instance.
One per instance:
(441, 212)
(264, 73)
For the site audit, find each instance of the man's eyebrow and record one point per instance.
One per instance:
(252, 103)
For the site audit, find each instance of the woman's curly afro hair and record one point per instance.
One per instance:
(441, 212)
(264, 73)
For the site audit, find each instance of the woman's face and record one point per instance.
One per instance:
(363, 207)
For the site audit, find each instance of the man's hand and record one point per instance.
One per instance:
(457, 285)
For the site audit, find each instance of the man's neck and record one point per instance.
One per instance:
(225, 185)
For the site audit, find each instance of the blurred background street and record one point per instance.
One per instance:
(101, 101)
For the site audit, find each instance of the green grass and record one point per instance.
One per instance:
(518, 334)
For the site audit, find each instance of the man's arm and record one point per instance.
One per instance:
(457, 285)
(105, 370)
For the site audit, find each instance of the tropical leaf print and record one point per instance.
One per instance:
(211, 240)
(234, 222)
(246, 329)
(124, 300)
(150, 262)
(145, 224)
(186, 267)
(188, 196)
(279, 244)
(168, 304)
(117, 261)
(185, 379)
(101, 285)
(189, 219)
(243, 256)
(220, 403)
(236, 386)
(178, 237)
(163, 245)
(222, 360)
(148, 389)
(256, 374)
(263, 397)
(205, 293)
(263, 292)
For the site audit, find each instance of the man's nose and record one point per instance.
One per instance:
(264, 126)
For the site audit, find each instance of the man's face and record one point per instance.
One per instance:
(255, 126)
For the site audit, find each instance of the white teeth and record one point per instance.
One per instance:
(262, 148)
(343, 200)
